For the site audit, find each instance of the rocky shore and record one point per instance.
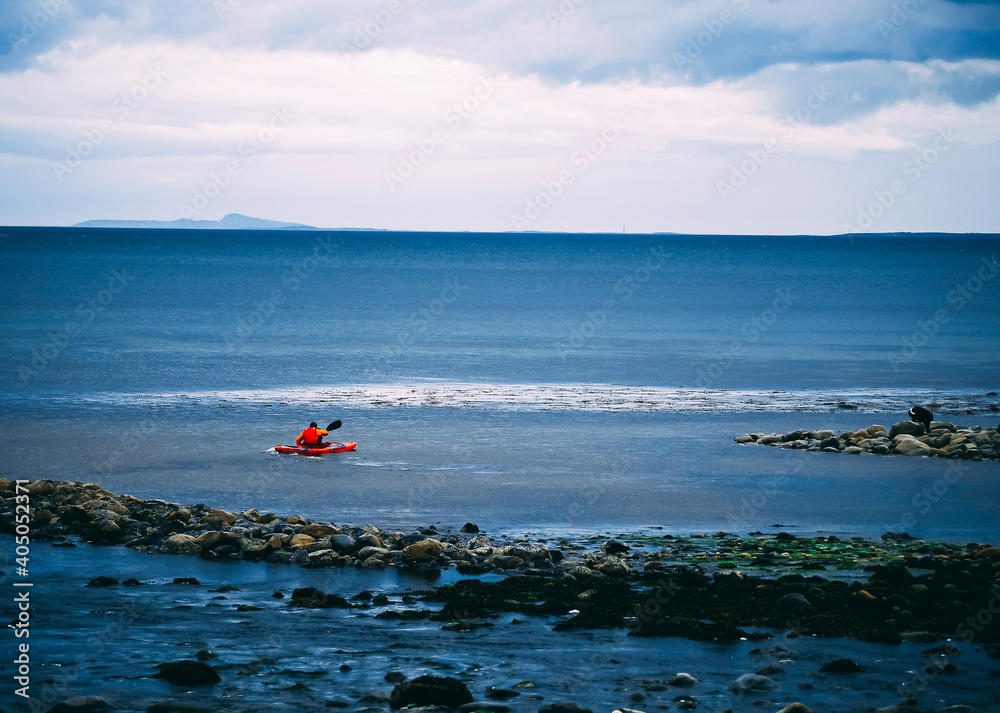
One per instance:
(908, 438)
(856, 588)
(717, 588)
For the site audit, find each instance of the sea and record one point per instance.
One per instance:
(526, 382)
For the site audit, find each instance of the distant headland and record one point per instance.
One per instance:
(233, 221)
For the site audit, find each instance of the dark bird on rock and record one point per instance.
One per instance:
(918, 414)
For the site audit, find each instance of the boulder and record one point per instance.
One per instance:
(790, 601)
(841, 666)
(322, 558)
(300, 540)
(319, 529)
(423, 551)
(907, 445)
(612, 566)
(213, 539)
(187, 673)
(909, 428)
(752, 682)
(425, 690)
(614, 547)
(529, 552)
(684, 680)
(226, 517)
(82, 704)
(343, 543)
(796, 708)
(102, 581)
(470, 527)
(367, 552)
(312, 598)
(181, 544)
(369, 539)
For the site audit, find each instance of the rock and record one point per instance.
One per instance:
(300, 540)
(345, 544)
(180, 544)
(82, 704)
(990, 554)
(313, 598)
(529, 552)
(322, 558)
(614, 547)
(790, 601)
(395, 677)
(215, 538)
(487, 706)
(500, 694)
(423, 551)
(563, 708)
(796, 708)
(684, 680)
(470, 527)
(102, 581)
(907, 445)
(187, 673)
(909, 428)
(612, 566)
(430, 691)
(369, 539)
(831, 442)
(853, 450)
(876, 430)
(747, 438)
(751, 682)
(319, 529)
(367, 552)
(841, 666)
(226, 517)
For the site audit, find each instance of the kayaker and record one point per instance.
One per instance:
(311, 437)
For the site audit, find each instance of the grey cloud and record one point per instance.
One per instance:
(692, 41)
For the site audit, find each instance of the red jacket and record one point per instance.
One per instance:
(310, 436)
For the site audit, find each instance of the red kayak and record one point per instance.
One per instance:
(326, 448)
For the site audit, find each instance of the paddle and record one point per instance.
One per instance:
(335, 425)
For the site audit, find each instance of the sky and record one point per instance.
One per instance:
(689, 116)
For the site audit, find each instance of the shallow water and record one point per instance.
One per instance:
(109, 641)
(534, 384)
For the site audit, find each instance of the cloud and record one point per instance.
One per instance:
(845, 91)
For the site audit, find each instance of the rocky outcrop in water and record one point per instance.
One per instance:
(908, 438)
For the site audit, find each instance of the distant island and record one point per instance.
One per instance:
(233, 221)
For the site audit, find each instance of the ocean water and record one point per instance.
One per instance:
(526, 382)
